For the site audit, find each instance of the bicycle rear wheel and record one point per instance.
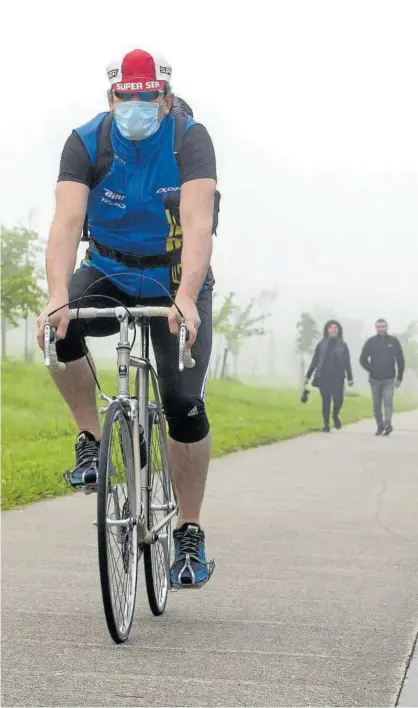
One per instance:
(157, 555)
(118, 544)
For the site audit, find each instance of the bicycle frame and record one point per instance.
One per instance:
(137, 406)
(139, 415)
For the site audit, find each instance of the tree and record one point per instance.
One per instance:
(20, 292)
(235, 324)
(268, 298)
(222, 316)
(220, 323)
(307, 335)
(241, 324)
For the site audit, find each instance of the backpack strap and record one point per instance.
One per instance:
(103, 162)
(104, 152)
(180, 121)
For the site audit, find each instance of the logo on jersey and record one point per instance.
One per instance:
(111, 74)
(166, 190)
(113, 199)
(165, 70)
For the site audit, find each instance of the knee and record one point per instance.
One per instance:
(186, 418)
(73, 346)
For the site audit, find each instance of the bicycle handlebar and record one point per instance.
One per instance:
(90, 313)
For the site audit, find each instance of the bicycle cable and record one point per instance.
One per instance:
(113, 299)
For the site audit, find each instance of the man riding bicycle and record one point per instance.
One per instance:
(136, 191)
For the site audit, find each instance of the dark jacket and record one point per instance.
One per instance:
(331, 360)
(379, 355)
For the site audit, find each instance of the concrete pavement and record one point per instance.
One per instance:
(409, 691)
(314, 601)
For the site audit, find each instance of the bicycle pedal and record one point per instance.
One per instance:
(89, 488)
(195, 586)
(86, 488)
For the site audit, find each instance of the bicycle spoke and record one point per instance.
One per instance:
(157, 556)
(119, 557)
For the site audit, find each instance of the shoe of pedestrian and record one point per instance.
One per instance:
(190, 568)
(388, 429)
(326, 429)
(380, 430)
(337, 422)
(84, 474)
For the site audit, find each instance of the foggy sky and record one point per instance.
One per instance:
(313, 109)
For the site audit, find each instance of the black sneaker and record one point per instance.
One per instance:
(190, 568)
(84, 473)
(337, 422)
(388, 429)
(379, 430)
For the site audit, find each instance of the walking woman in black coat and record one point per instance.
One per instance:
(331, 364)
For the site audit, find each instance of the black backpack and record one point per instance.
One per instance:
(104, 156)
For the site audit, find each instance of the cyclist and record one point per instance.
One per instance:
(135, 238)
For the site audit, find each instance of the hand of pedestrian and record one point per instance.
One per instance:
(191, 318)
(350, 382)
(59, 321)
(398, 383)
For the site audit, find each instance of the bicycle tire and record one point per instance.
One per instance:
(116, 474)
(157, 555)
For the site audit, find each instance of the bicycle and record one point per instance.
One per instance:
(135, 501)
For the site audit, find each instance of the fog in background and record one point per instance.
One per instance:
(313, 110)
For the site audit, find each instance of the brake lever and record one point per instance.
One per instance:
(49, 336)
(185, 355)
(182, 345)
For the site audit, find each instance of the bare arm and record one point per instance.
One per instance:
(196, 215)
(64, 237)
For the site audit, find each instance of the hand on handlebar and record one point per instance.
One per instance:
(59, 321)
(190, 315)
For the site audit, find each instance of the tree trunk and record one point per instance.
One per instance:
(3, 336)
(224, 361)
(26, 345)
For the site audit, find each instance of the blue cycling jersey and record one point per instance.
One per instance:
(126, 209)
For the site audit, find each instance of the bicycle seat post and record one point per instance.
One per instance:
(144, 324)
(123, 349)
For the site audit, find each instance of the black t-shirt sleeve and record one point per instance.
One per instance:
(197, 155)
(75, 165)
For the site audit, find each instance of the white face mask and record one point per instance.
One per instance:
(137, 120)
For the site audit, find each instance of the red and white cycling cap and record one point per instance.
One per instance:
(138, 70)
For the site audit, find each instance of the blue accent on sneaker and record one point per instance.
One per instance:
(86, 461)
(190, 568)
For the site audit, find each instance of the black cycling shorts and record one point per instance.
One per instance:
(182, 393)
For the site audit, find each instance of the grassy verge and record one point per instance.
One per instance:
(38, 433)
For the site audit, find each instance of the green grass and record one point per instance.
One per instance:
(38, 433)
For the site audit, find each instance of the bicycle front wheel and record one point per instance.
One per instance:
(157, 555)
(117, 529)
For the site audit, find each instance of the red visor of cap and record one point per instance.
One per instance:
(138, 73)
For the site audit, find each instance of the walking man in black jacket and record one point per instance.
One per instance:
(383, 358)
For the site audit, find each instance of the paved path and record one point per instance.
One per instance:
(409, 692)
(314, 600)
